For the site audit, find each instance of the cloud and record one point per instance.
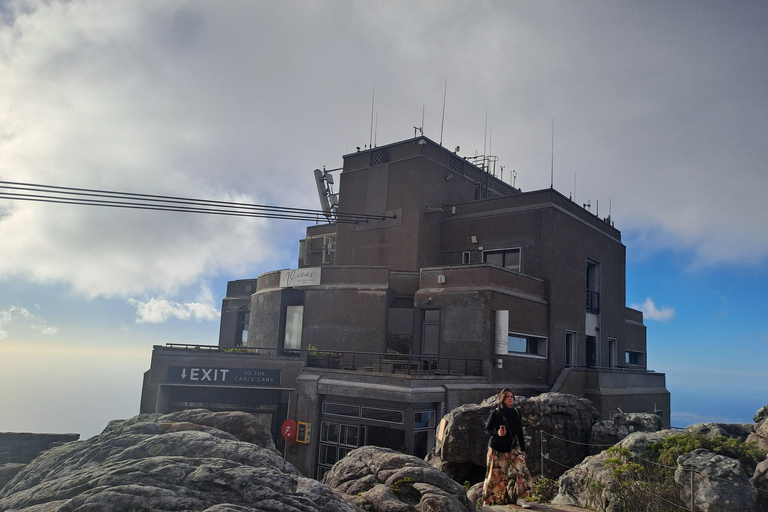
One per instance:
(156, 311)
(23, 318)
(656, 115)
(651, 312)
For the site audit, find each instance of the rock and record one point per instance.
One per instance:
(382, 480)
(567, 424)
(760, 481)
(575, 486)
(719, 483)
(8, 471)
(462, 443)
(712, 430)
(607, 433)
(760, 435)
(761, 414)
(169, 462)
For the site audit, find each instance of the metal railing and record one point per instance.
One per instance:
(376, 362)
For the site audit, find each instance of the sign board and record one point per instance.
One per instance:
(300, 277)
(208, 376)
(501, 334)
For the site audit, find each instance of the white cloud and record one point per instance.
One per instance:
(651, 312)
(655, 112)
(24, 319)
(160, 310)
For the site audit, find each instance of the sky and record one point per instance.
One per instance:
(660, 115)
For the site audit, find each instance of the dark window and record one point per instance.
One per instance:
(431, 332)
(341, 409)
(387, 415)
(242, 328)
(509, 258)
(593, 287)
(634, 357)
(400, 326)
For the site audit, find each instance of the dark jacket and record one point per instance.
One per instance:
(512, 419)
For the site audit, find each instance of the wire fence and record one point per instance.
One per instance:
(659, 471)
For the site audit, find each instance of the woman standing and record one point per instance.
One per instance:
(508, 479)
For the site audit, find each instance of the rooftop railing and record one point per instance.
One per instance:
(375, 362)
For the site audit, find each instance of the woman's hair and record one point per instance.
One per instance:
(503, 394)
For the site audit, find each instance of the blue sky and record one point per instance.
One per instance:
(660, 109)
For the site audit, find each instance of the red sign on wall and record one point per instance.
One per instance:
(288, 431)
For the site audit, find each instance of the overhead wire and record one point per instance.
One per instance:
(116, 199)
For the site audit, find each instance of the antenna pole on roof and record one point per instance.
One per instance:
(373, 100)
(442, 121)
(552, 165)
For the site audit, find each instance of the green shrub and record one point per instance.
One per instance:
(544, 489)
(676, 445)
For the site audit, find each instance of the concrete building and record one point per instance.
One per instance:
(457, 285)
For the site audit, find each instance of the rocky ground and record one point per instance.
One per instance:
(226, 462)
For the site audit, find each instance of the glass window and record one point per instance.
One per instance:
(294, 317)
(634, 357)
(524, 344)
(329, 432)
(400, 329)
(349, 435)
(341, 409)
(328, 454)
(508, 258)
(423, 419)
(382, 415)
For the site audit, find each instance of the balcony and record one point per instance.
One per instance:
(372, 362)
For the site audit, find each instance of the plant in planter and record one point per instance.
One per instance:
(318, 359)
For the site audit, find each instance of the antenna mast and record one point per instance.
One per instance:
(552, 165)
(373, 100)
(442, 121)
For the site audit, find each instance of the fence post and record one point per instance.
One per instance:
(693, 508)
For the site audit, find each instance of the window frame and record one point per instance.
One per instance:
(504, 252)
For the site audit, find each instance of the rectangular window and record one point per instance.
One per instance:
(570, 342)
(352, 411)
(612, 356)
(294, 317)
(526, 344)
(400, 328)
(430, 334)
(593, 287)
(328, 454)
(329, 432)
(465, 258)
(387, 415)
(634, 357)
(349, 436)
(508, 258)
(242, 328)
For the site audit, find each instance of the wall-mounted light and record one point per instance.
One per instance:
(473, 239)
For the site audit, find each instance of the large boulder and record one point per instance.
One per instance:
(719, 483)
(760, 481)
(760, 434)
(740, 431)
(566, 420)
(383, 480)
(565, 423)
(588, 484)
(191, 460)
(607, 433)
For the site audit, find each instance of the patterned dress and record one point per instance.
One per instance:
(507, 479)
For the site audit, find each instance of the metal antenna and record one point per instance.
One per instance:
(373, 100)
(442, 122)
(552, 168)
(423, 108)
(376, 129)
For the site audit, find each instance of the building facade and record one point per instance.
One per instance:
(457, 285)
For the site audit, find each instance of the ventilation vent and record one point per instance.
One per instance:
(456, 165)
(380, 156)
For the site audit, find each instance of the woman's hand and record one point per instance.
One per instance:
(502, 431)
